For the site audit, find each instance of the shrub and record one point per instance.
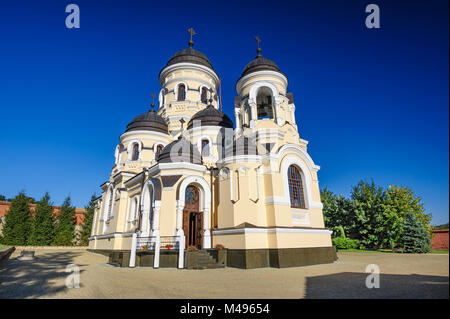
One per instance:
(345, 243)
(220, 246)
(192, 248)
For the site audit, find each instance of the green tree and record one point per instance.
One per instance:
(338, 213)
(87, 222)
(64, 224)
(368, 205)
(416, 238)
(17, 223)
(2, 198)
(399, 202)
(42, 228)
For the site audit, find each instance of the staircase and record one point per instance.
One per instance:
(201, 259)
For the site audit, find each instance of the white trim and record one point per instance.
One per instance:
(175, 91)
(271, 230)
(306, 178)
(184, 65)
(205, 205)
(278, 75)
(142, 132)
(199, 144)
(208, 94)
(130, 150)
(155, 147)
(114, 235)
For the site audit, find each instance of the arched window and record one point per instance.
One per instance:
(135, 155)
(264, 103)
(205, 148)
(204, 96)
(296, 192)
(181, 92)
(158, 151)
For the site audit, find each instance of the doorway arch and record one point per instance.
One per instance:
(194, 196)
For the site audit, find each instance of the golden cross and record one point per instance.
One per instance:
(258, 50)
(153, 99)
(192, 33)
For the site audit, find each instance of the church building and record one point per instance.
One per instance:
(188, 189)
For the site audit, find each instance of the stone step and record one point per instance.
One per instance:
(208, 266)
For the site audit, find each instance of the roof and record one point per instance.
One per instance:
(149, 121)
(180, 150)
(190, 55)
(210, 116)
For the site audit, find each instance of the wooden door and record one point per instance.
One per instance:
(192, 218)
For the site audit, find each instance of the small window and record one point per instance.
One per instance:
(204, 96)
(181, 92)
(296, 192)
(158, 151)
(205, 148)
(135, 155)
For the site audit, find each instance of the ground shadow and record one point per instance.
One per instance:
(35, 278)
(353, 286)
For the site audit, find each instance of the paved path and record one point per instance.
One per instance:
(402, 276)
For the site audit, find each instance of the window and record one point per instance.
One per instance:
(264, 104)
(135, 155)
(204, 96)
(181, 93)
(205, 148)
(158, 151)
(296, 187)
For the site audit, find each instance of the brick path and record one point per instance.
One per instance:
(402, 276)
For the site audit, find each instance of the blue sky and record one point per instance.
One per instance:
(373, 103)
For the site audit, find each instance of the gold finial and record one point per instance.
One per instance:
(153, 100)
(192, 33)
(258, 50)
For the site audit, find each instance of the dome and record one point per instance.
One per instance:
(210, 116)
(149, 121)
(260, 64)
(190, 55)
(180, 150)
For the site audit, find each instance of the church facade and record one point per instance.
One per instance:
(185, 180)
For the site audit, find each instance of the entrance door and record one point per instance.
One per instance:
(192, 218)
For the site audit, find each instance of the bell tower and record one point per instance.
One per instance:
(187, 81)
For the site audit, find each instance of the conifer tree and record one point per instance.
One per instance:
(416, 238)
(88, 220)
(64, 224)
(17, 225)
(42, 228)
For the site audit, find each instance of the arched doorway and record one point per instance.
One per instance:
(193, 218)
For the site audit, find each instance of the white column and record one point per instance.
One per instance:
(157, 249)
(133, 250)
(180, 234)
(292, 108)
(181, 251)
(277, 111)
(180, 207)
(155, 222)
(238, 120)
(252, 105)
(206, 231)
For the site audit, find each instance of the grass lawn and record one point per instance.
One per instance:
(384, 251)
(439, 252)
(3, 246)
(364, 251)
